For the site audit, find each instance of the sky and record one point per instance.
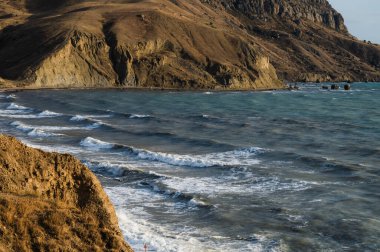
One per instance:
(362, 17)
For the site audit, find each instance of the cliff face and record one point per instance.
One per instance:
(51, 202)
(318, 11)
(160, 43)
(225, 44)
(306, 40)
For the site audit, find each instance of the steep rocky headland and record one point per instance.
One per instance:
(52, 202)
(233, 44)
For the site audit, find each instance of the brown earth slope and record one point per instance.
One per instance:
(144, 43)
(230, 44)
(306, 40)
(52, 202)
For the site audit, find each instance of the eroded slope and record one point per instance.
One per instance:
(158, 43)
(224, 44)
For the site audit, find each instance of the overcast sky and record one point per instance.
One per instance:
(362, 17)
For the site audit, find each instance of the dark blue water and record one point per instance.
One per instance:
(231, 171)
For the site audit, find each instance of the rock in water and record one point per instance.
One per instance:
(334, 87)
(52, 202)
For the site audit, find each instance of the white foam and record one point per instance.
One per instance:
(13, 112)
(229, 158)
(47, 113)
(11, 96)
(22, 126)
(9, 114)
(139, 116)
(97, 144)
(21, 114)
(41, 133)
(115, 169)
(79, 118)
(26, 127)
(139, 226)
(14, 106)
(214, 186)
(94, 125)
(56, 148)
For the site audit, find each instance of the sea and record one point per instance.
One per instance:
(221, 171)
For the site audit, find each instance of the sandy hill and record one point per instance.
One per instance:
(52, 202)
(231, 44)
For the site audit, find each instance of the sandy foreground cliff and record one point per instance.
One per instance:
(52, 202)
(210, 44)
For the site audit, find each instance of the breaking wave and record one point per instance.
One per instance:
(243, 156)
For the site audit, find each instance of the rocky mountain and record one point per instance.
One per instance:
(52, 202)
(233, 44)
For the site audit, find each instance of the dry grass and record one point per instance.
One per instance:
(31, 219)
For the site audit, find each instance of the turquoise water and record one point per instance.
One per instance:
(229, 171)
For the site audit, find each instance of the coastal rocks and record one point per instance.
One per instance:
(334, 87)
(52, 202)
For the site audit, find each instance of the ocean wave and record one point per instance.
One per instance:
(191, 199)
(243, 156)
(213, 186)
(133, 211)
(97, 144)
(14, 112)
(120, 169)
(139, 116)
(78, 118)
(138, 230)
(182, 139)
(9, 114)
(41, 133)
(95, 125)
(40, 128)
(48, 113)
(11, 96)
(25, 114)
(229, 158)
(15, 106)
(126, 172)
(320, 164)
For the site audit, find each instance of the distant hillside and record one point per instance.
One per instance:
(231, 44)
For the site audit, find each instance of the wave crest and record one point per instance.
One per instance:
(237, 157)
(15, 106)
(94, 143)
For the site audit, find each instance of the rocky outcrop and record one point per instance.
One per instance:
(318, 11)
(306, 40)
(210, 44)
(52, 202)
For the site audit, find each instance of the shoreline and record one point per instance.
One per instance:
(15, 89)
